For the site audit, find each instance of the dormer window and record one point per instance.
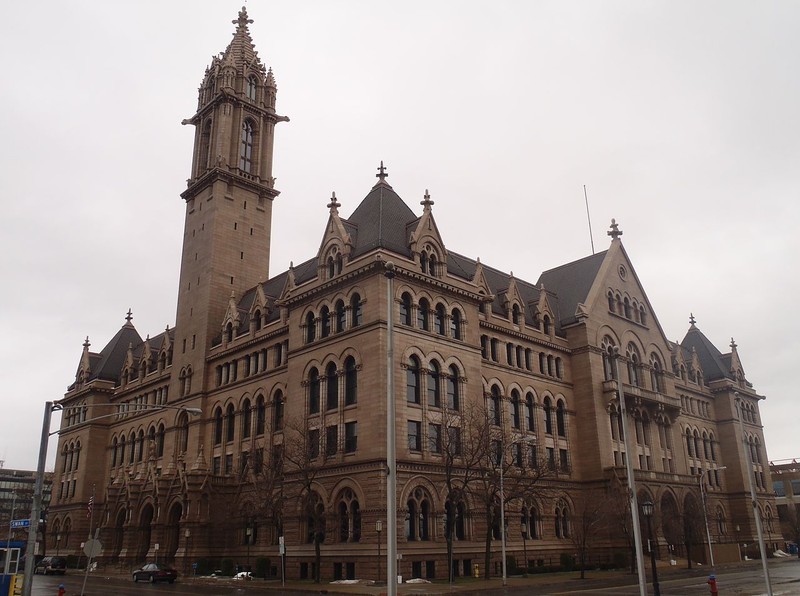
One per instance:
(515, 312)
(250, 88)
(428, 261)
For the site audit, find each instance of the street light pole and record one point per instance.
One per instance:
(502, 516)
(749, 474)
(704, 499)
(391, 446)
(36, 506)
(378, 529)
(637, 531)
(647, 509)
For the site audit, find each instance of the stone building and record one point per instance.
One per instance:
(491, 372)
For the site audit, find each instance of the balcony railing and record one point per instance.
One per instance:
(634, 394)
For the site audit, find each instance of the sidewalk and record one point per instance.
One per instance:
(546, 583)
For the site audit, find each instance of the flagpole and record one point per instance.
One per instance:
(90, 513)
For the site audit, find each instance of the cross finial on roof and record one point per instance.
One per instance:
(692, 320)
(426, 201)
(381, 172)
(733, 345)
(334, 204)
(129, 316)
(242, 21)
(615, 232)
(86, 343)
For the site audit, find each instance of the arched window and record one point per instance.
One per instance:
(423, 314)
(114, 444)
(561, 419)
(205, 143)
(454, 517)
(120, 461)
(453, 391)
(515, 410)
(627, 307)
(230, 428)
(131, 447)
(642, 316)
(530, 412)
(332, 386)
(455, 324)
(418, 519)
(656, 371)
(434, 387)
(257, 320)
(610, 301)
(229, 332)
(349, 517)
(261, 415)
(331, 268)
(494, 406)
(183, 432)
(356, 309)
(413, 381)
(350, 381)
(548, 416)
(551, 365)
(247, 419)
(160, 441)
(218, 426)
(432, 264)
(279, 410)
(325, 316)
(423, 261)
(405, 309)
(311, 328)
(515, 314)
(341, 316)
(689, 443)
(246, 148)
(634, 361)
(439, 319)
(313, 391)
(546, 322)
(609, 370)
(250, 87)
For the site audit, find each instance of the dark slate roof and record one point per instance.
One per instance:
(381, 220)
(571, 283)
(712, 361)
(112, 357)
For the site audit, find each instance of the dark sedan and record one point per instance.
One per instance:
(155, 572)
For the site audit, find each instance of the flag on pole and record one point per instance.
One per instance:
(90, 506)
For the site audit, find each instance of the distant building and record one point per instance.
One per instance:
(291, 374)
(786, 483)
(16, 497)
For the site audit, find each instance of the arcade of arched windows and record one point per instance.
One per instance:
(251, 364)
(757, 459)
(75, 414)
(701, 449)
(439, 318)
(237, 429)
(523, 358)
(695, 406)
(333, 263)
(624, 306)
(142, 402)
(139, 446)
(645, 429)
(749, 412)
(333, 318)
(523, 414)
(638, 373)
(429, 261)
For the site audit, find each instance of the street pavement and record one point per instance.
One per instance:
(735, 579)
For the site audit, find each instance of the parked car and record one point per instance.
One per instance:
(50, 565)
(155, 572)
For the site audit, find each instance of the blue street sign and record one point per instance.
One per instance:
(20, 523)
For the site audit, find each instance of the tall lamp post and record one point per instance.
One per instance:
(749, 474)
(525, 543)
(503, 530)
(704, 500)
(391, 440)
(647, 510)
(378, 529)
(36, 506)
(637, 531)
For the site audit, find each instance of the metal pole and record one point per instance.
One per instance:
(656, 588)
(391, 446)
(36, 506)
(378, 528)
(502, 517)
(637, 531)
(749, 475)
(8, 542)
(704, 499)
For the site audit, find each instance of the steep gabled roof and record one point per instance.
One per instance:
(381, 220)
(571, 283)
(112, 357)
(712, 361)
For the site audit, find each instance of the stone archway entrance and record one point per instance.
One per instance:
(172, 532)
(145, 531)
(671, 523)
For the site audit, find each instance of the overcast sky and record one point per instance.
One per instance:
(681, 118)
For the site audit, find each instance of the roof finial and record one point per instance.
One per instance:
(242, 21)
(334, 204)
(733, 345)
(426, 201)
(129, 317)
(692, 320)
(615, 231)
(382, 172)
(86, 344)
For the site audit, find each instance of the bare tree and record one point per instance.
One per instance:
(589, 519)
(304, 459)
(620, 523)
(789, 516)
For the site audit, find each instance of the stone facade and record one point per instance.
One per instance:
(291, 375)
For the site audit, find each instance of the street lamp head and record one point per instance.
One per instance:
(193, 411)
(647, 508)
